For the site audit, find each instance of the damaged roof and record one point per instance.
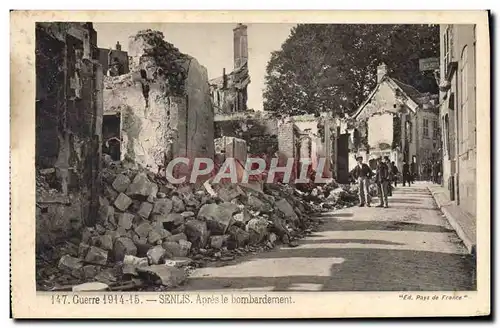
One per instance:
(238, 79)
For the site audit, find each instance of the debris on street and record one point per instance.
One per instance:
(150, 234)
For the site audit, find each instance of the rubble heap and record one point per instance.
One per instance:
(149, 233)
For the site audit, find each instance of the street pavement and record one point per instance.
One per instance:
(407, 247)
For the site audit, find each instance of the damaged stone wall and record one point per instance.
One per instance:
(259, 131)
(164, 103)
(69, 128)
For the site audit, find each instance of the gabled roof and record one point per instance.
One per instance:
(410, 92)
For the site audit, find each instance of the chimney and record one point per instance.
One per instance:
(224, 79)
(240, 45)
(118, 46)
(381, 72)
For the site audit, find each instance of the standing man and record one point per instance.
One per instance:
(390, 177)
(362, 173)
(406, 174)
(395, 173)
(436, 172)
(382, 180)
(413, 171)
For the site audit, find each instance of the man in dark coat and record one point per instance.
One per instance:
(391, 174)
(382, 181)
(413, 172)
(395, 173)
(362, 173)
(406, 174)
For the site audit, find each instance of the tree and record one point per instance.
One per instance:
(332, 67)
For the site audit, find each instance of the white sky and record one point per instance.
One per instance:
(211, 44)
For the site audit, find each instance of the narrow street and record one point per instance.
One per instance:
(407, 247)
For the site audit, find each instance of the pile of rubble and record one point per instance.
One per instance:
(330, 196)
(149, 234)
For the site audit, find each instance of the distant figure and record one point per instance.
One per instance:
(362, 173)
(436, 172)
(382, 179)
(395, 173)
(387, 161)
(406, 174)
(413, 172)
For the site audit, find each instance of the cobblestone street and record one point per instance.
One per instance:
(407, 247)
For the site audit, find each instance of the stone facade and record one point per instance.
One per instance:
(398, 121)
(164, 104)
(458, 113)
(229, 92)
(69, 115)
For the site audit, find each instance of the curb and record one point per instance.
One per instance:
(468, 242)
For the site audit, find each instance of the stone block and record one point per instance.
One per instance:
(89, 272)
(218, 216)
(284, 206)
(197, 232)
(125, 220)
(143, 229)
(156, 254)
(142, 187)
(185, 247)
(172, 248)
(178, 204)
(97, 255)
(155, 236)
(145, 210)
(122, 202)
(124, 246)
(162, 206)
(121, 183)
(69, 264)
(105, 242)
(217, 242)
(257, 204)
(177, 237)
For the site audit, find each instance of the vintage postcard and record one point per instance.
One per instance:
(250, 164)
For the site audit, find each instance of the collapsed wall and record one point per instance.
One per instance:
(164, 102)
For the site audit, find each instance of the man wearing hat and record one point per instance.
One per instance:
(382, 181)
(362, 173)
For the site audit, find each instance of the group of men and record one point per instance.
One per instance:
(432, 171)
(385, 174)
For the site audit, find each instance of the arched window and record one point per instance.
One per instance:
(464, 98)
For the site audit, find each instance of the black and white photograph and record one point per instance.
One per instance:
(255, 159)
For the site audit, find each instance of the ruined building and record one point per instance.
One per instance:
(69, 111)
(397, 121)
(114, 61)
(162, 106)
(229, 91)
